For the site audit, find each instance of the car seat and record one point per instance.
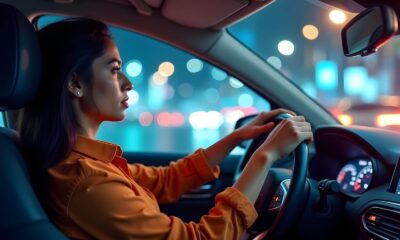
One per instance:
(21, 215)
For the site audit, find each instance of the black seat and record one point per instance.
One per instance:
(21, 215)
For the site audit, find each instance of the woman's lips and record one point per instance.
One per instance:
(125, 103)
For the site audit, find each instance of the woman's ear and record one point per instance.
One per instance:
(75, 86)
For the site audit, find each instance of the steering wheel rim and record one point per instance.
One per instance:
(291, 207)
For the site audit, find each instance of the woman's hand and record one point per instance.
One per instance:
(282, 140)
(260, 124)
(285, 137)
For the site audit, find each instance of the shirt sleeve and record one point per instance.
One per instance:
(109, 209)
(169, 183)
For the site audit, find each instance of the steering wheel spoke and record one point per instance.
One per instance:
(279, 196)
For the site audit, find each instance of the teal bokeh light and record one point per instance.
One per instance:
(134, 68)
(326, 74)
(355, 80)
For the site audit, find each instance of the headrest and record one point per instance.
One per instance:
(20, 59)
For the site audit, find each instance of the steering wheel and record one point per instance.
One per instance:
(283, 194)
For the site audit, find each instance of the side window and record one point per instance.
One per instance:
(179, 103)
(2, 119)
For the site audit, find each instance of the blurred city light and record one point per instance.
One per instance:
(211, 120)
(198, 120)
(159, 79)
(371, 91)
(166, 119)
(337, 16)
(166, 69)
(345, 119)
(275, 62)
(310, 89)
(169, 92)
(326, 75)
(310, 32)
(212, 95)
(286, 47)
(145, 119)
(355, 80)
(185, 90)
(245, 100)
(194, 65)
(235, 83)
(390, 101)
(218, 74)
(133, 97)
(134, 68)
(215, 120)
(384, 120)
(232, 115)
(156, 94)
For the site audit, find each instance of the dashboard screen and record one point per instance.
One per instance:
(355, 176)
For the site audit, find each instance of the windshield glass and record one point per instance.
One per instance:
(302, 40)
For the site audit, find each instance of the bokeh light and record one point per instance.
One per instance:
(286, 47)
(245, 100)
(166, 69)
(337, 16)
(218, 74)
(310, 32)
(145, 119)
(212, 95)
(345, 119)
(159, 79)
(134, 68)
(275, 62)
(235, 83)
(185, 90)
(194, 65)
(133, 97)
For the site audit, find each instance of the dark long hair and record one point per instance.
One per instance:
(48, 125)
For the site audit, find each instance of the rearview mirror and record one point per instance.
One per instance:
(369, 30)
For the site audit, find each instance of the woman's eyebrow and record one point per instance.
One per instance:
(115, 60)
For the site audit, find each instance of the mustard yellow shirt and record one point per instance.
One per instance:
(95, 194)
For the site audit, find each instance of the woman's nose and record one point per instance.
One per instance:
(126, 84)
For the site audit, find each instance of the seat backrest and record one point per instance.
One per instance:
(21, 215)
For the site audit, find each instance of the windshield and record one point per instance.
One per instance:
(302, 40)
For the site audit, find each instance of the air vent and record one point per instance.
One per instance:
(382, 222)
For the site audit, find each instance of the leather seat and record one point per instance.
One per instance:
(21, 215)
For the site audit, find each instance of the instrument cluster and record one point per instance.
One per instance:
(356, 176)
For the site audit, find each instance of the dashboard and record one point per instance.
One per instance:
(365, 163)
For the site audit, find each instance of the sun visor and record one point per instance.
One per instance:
(201, 14)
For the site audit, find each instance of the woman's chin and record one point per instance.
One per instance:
(117, 118)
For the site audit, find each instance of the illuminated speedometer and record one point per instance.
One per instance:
(356, 176)
(346, 177)
(363, 179)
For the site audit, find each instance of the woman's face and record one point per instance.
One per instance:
(106, 98)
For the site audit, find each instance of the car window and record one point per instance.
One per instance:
(179, 102)
(306, 46)
(2, 120)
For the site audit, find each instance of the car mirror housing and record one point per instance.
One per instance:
(369, 30)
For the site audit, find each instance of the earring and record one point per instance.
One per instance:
(78, 93)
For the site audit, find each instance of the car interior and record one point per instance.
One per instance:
(346, 184)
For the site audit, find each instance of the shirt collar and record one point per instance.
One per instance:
(96, 149)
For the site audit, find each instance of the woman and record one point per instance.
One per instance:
(90, 190)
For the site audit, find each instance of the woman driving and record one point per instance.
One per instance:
(89, 189)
